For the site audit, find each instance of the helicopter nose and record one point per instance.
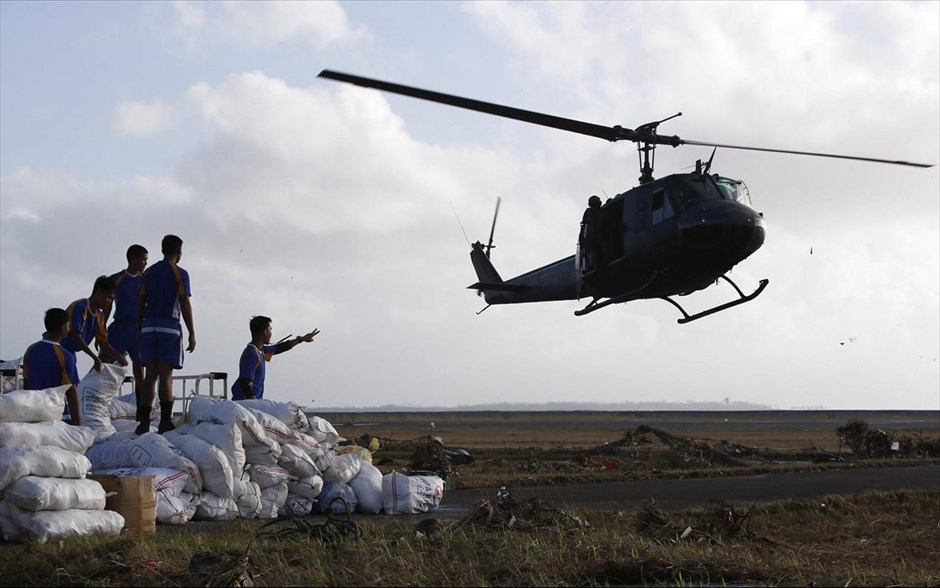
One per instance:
(734, 228)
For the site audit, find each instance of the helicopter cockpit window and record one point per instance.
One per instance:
(690, 191)
(733, 189)
(660, 207)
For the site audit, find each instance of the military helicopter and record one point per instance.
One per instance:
(666, 237)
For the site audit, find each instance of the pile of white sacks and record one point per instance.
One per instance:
(44, 495)
(245, 459)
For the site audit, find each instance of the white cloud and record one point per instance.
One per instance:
(317, 205)
(262, 24)
(17, 213)
(141, 118)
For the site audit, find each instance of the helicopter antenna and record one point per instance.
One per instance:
(489, 245)
(708, 166)
(461, 224)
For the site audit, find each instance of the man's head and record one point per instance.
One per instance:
(172, 246)
(136, 258)
(102, 294)
(260, 326)
(57, 323)
(594, 201)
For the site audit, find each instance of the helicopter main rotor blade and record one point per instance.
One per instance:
(615, 133)
(645, 134)
(811, 153)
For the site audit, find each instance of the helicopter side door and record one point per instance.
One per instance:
(664, 230)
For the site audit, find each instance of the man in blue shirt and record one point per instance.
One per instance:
(122, 332)
(164, 297)
(250, 382)
(86, 318)
(47, 364)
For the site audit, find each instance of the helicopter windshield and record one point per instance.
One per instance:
(733, 189)
(690, 190)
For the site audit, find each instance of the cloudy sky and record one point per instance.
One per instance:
(326, 205)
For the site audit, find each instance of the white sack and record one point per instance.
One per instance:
(307, 487)
(34, 493)
(95, 392)
(297, 462)
(289, 413)
(272, 499)
(33, 406)
(249, 501)
(9, 531)
(115, 452)
(228, 438)
(324, 460)
(266, 476)
(273, 427)
(263, 454)
(308, 444)
(54, 433)
(205, 409)
(368, 488)
(176, 509)
(323, 431)
(153, 450)
(57, 525)
(403, 494)
(216, 508)
(212, 463)
(344, 468)
(47, 461)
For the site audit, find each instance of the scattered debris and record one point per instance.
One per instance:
(213, 569)
(865, 442)
(720, 523)
(533, 514)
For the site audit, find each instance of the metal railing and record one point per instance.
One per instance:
(185, 395)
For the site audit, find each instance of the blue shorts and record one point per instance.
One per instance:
(122, 335)
(161, 344)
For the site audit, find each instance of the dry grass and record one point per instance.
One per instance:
(879, 539)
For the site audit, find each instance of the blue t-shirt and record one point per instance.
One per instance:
(126, 290)
(251, 368)
(87, 322)
(163, 284)
(46, 364)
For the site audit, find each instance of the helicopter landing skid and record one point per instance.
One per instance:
(595, 305)
(686, 318)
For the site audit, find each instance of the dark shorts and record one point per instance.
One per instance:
(122, 335)
(161, 344)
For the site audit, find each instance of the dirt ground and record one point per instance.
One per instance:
(530, 448)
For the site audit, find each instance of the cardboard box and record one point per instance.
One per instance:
(133, 498)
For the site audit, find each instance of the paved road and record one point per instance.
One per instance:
(679, 494)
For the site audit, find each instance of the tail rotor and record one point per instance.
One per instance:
(489, 245)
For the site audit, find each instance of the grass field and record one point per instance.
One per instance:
(873, 539)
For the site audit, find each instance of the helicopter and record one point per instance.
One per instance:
(666, 237)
